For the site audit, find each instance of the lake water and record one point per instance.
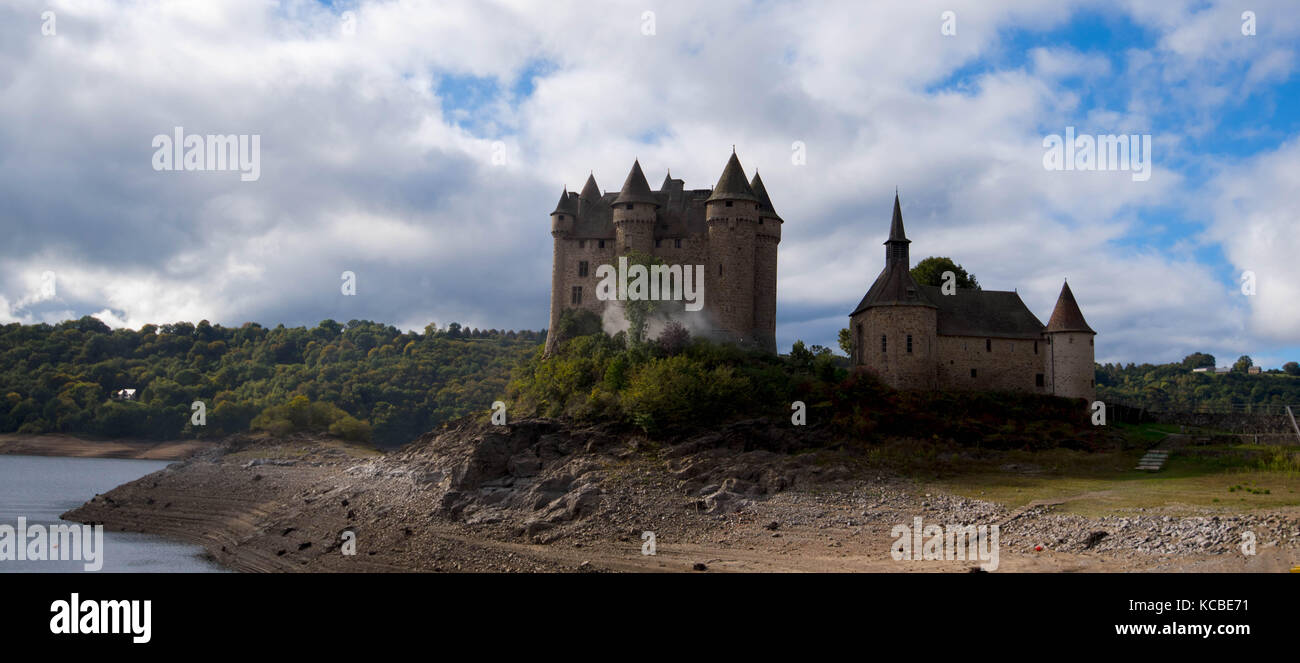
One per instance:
(40, 488)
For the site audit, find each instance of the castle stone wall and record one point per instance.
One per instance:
(1072, 370)
(999, 363)
(898, 367)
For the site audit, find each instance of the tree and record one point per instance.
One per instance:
(1291, 368)
(1198, 360)
(674, 338)
(1243, 364)
(930, 272)
(846, 341)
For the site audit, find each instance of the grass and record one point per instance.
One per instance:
(1222, 478)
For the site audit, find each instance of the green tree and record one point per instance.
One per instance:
(1291, 368)
(930, 272)
(1198, 360)
(1243, 364)
(846, 341)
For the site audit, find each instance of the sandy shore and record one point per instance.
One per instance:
(68, 445)
(459, 502)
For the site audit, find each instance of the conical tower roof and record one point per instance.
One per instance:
(589, 190)
(635, 188)
(764, 202)
(733, 185)
(896, 233)
(566, 204)
(1067, 317)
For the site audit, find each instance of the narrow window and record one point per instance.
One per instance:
(1092, 383)
(882, 343)
(1035, 347)
(582, 268)
(677, 244)
(972, 372)
(988, 345)
(857, 341)
(577, 294)
(658, 243)
(601, 245)
(1090, 341)
(1038, 380)
(909, 344)
(582, 243)
(719, 269)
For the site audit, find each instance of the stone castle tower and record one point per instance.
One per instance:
(731, 230)
(917, 337)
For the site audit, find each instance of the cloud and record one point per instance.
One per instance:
(423, 150)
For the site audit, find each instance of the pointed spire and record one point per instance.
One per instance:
(764, 202)
(635, 188)
(733, 185)
(565, 206)
(896, 233)
(589, 190)
(1067, 317)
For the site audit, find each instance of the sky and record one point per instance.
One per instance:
(420, 147)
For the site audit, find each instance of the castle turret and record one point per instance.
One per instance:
(767, 235)
(731, 213)
(562, 225)
(1070, 369)
(894, 329)
(634, 214)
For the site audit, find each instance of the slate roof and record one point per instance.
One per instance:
(1067, 317)
(894, 287)
(733, 185)
(997, 313)
(635, 188)
(764, 202)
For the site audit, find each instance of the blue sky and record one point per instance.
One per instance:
(421, 146)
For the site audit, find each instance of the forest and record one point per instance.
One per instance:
(1177, 387)
(363, 379)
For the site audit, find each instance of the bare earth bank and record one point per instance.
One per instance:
(539, 495)
(68, 445)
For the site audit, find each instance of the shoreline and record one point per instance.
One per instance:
(539, 496)
(73, 446)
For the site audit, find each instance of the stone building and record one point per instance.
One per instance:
(916, 337)
(731, 230)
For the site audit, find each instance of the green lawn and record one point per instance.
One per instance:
(1222, 477)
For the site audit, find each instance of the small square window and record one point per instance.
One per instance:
(582, 243)
(677, 244)
(1038, 380)
(658, 243)
(728, 203)
(629, 206)
(988, 345)
(972, 372)
(601, 244)
(582, 268)
(576, 295)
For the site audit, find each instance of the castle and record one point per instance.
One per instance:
(730, 230)
(917, 337)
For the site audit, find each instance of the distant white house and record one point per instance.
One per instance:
(1219, 370)
(124, 394)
